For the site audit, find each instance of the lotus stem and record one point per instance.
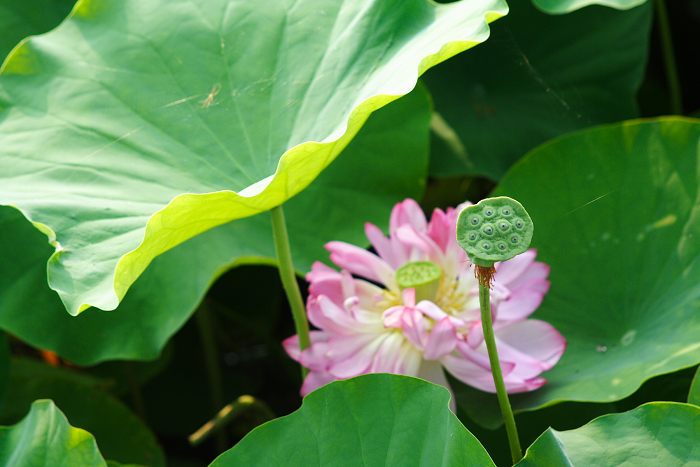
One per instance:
(228, 414)
(487, 324)
(289, 280)
(669, 58)
(211, 360)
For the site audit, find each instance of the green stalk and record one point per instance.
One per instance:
(211, 359)
(135, 387)
(669, 58)
(485, 302)
(229, 413)
(289, 280)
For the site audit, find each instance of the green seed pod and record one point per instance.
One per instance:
(506, 234)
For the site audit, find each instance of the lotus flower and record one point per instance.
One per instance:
(369, 323)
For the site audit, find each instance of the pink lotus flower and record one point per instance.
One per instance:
(365, 328)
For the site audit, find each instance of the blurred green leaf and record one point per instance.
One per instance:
(656, 434)
(694, 394)
(617, 220)
(119, 433)
(537, 77)
(45, 439)
(152, 122)
(28, 17)
(375, 419)
(384, 164)
(121, 375)
(4, 366)
(567, 6)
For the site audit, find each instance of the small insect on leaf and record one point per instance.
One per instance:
(209, 101)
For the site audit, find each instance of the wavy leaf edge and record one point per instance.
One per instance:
(289, 179)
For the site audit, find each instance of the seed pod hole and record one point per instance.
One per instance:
(488, 212)
(472, 236)
(475, 221)
(514, 240)
(502, 246)
(488, 230)
(504, 226)
(519, 224)
(506, 211)
(486, 246)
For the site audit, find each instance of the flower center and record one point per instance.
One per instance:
(423, 276)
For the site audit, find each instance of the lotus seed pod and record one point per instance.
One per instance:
(495, 229)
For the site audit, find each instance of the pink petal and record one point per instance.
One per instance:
(343, 347)
(481, 358)
(318, 269)
(434, 312)
(441, 341)
(325, 281)
(539, 285)
(388, 354)
(359, 362)
(392, 316)
(475, 336)
(536, 270)
(521, 304)
(469, 372)
(291, 344)
(535, 338)
(413, 326)
(315, 380)
(368, 293)
(409, 297)
(316, 357)
(431, 310)
(515, 386)
(408, 235)
(385, 247)
(408, 361)
(440, 230)
(363, 263)
(407, 212)
(347, 284)
(326, 315)
(510, 270)
(370, 318)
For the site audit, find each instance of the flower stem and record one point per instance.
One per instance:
(669, 57)
(211, 361)
(289, 280)
(485, 302)
(135, 387)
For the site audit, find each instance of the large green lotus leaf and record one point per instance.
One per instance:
(617, 214)
(134, 126)
(120, 434)
(44, 438)
(656, 434)
(567, 6)
(537, 77)
(370, 420)
(21, 19)
(384, 164)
